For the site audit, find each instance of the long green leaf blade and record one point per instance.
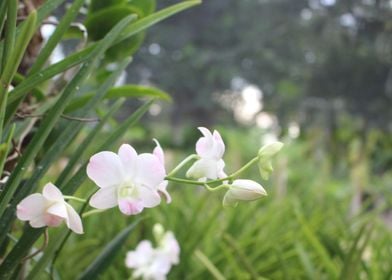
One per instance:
(108, 253)
(126, 91)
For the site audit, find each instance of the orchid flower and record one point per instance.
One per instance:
(210, 148)
(48, 209)
(154, 263)
(131, 181)
(243, 190)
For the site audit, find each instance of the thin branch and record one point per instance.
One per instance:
(43, 247)
(24, 116)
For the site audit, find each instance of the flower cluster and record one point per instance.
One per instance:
(135, 181)
(154, 263)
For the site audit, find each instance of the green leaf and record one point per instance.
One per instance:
(154, 18)
(5, 148)
(72, 185)
(85, 54)
(12, 62)
(10, 31)
(127, 91)
(317, 246)
(3, 12)
(82, 148)
(108, 254)
(42, 13)
(67, 135)
(209, 265)
(57, 35)
(50, 120)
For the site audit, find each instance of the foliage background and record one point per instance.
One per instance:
(320, 71)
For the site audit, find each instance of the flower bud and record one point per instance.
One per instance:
(243, 190)
(158, 231)
(270, 150)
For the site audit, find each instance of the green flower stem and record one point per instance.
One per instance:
(216, 188)
(238, 172)
(185, 181)
(92, 212)
(74, 198)
(198, 183)
(182, 164)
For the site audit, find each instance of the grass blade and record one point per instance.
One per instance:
(209, 265)
(10, 31)
(50, 120)
(108, 253)
(57, 35)
(127, 91)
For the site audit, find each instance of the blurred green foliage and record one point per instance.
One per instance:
(304, 229)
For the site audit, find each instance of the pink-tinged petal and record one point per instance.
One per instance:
(150, 198)
(162, 190)
(31, 207)
(128, 158)
(73, 221)
(204, 144)
(158, 152)
(52, 193)
(52, 220)
(58, 209)
(38, 221)
(150, 171)
(104, 198)
(130, 207)
(105, 169)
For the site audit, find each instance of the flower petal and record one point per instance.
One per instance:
(73, 220)
(105, 169)
(31, 207)
(130, 206)
(128, 158)
(158, 152)
(104, 198)
(162, 190)
(52, 193)
(141, 256)
(205, 168)
(204, 144)
(150, 198)
(219, 145)
(150, 171)
(58, 209)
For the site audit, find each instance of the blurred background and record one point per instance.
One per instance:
(314, 74)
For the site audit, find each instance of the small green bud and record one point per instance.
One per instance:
(269, 150)
(158, 231)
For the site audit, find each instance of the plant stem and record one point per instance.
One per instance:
(92, 212)
(179, 180)
(182, 164)
(70, 197)
(216, 188)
